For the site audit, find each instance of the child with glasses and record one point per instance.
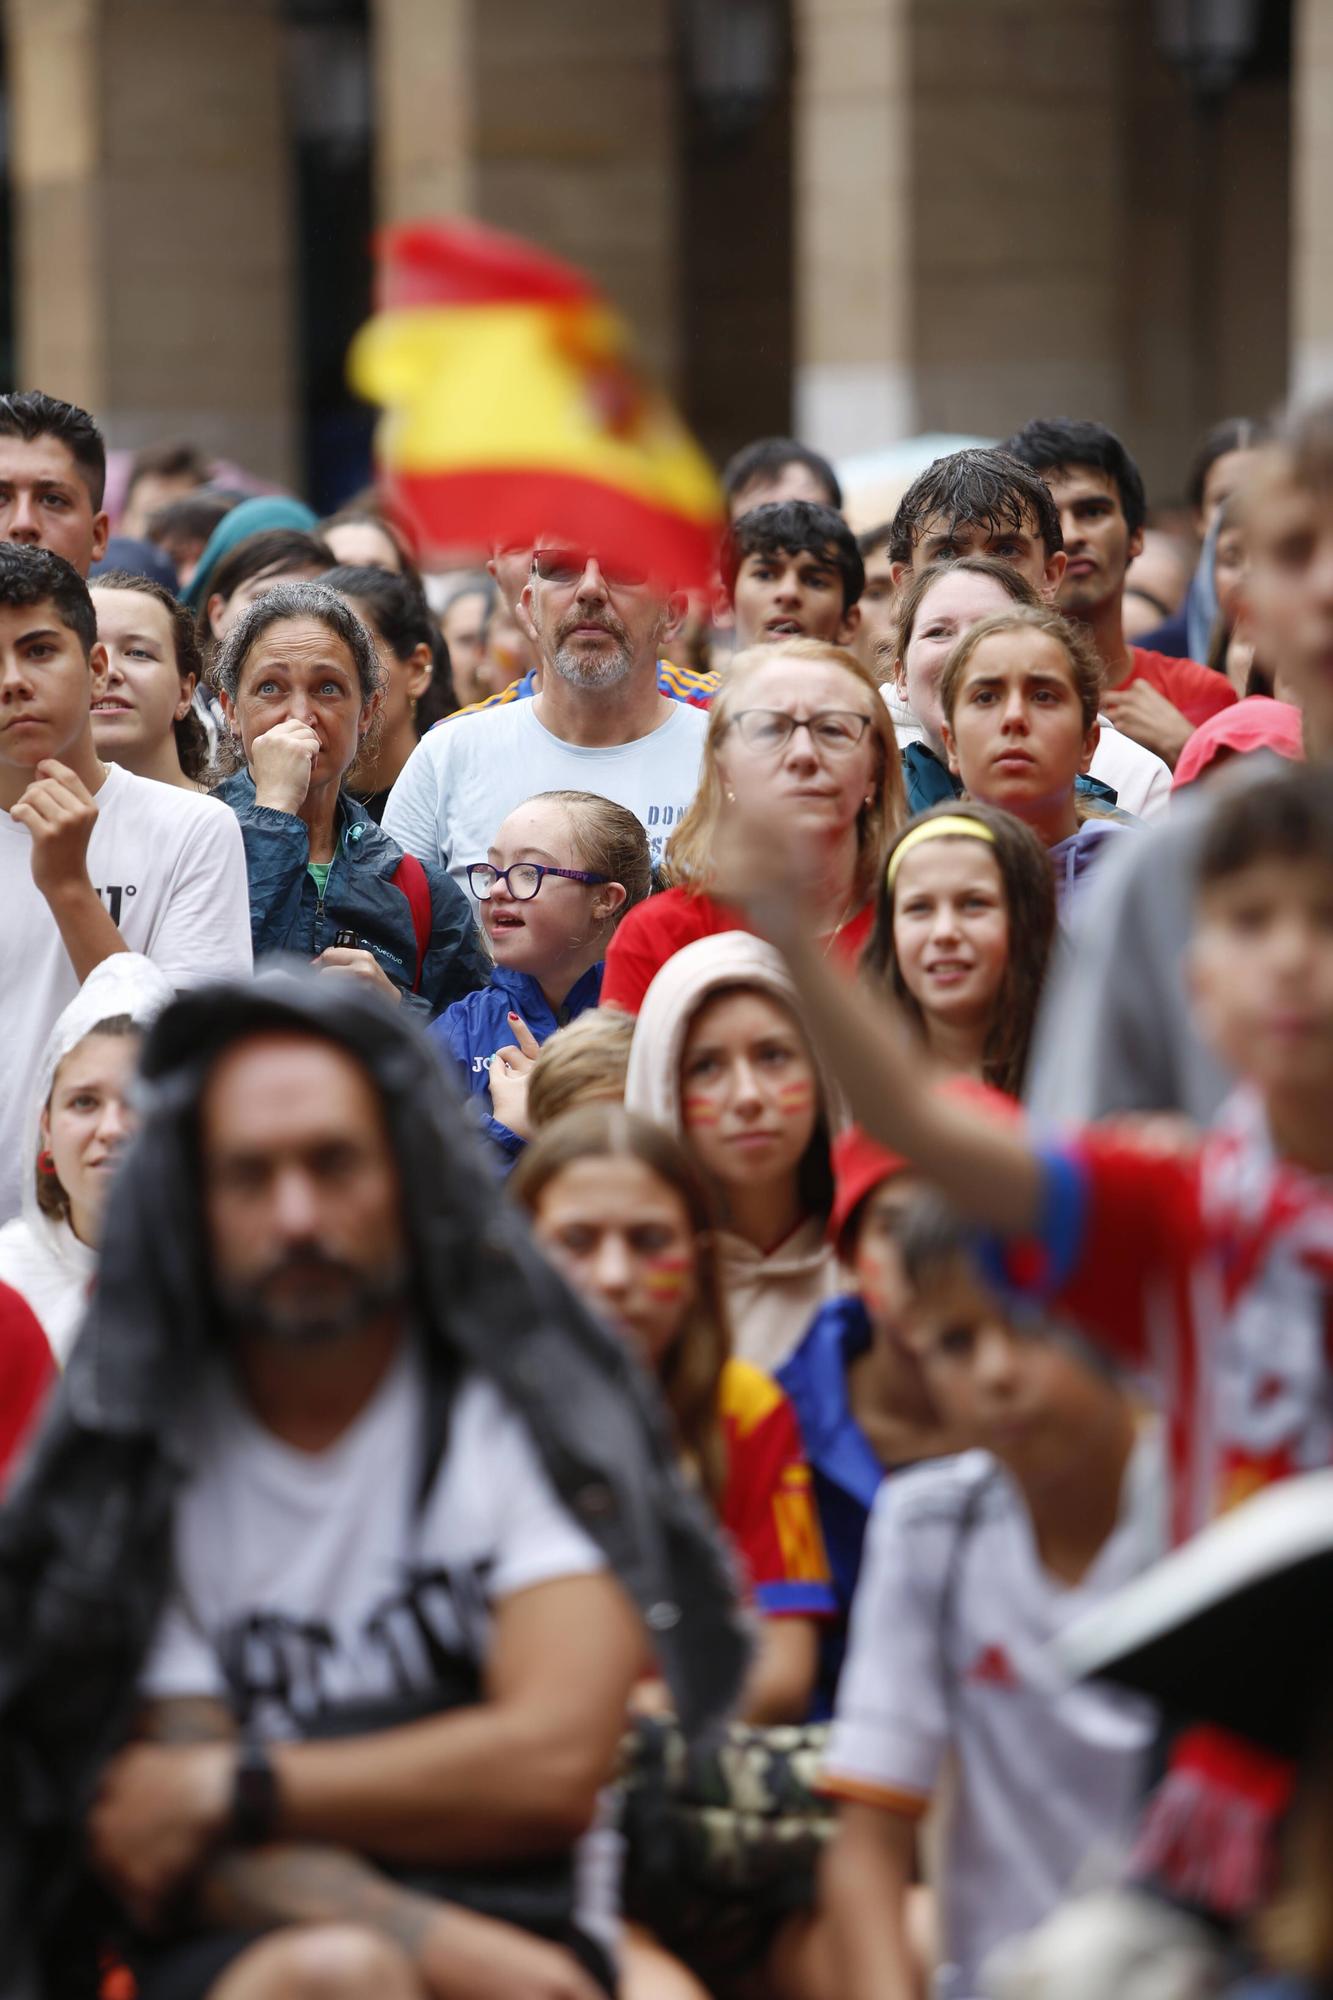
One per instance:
(561, 872)
(797, 727)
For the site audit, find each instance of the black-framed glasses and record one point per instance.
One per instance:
(566, 565)
(837, 730)
(522, 879)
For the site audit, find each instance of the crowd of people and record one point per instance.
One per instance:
(625, 1216)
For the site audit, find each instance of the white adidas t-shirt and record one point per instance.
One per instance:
(464, 779)
(950, 1655)
(306, 1582)
(169, 866)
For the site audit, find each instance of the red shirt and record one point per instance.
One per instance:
(1195, 690)
(768, 1506)
(26, 1372)
(656, 930)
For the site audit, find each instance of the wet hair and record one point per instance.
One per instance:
(52, 1200)
(978, 487)
(28, 414)
(192, 747)
(689, 852)
(586, 1060)
(30, 577)
(795, 527)
(284, 603)
(609, 840)
(916, 589)
(766, 457)
(1233, 434)
(276, 550)
(1085, 667)
(691, 1372)
(1050, 442)
(1287, 817)
(190, 518)
(1028, 884)
(173, 458)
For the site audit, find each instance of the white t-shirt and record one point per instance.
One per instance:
(306, 1582)
(950, 1653)
(169, 866)
(464, 779)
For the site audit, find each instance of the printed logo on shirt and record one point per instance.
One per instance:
(114, 896)
(286, 1673)
(992, 1667)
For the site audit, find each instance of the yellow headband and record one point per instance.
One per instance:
(953, 824)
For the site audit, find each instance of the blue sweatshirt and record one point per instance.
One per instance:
(476, 1026)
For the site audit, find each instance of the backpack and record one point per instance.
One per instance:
(411, 879)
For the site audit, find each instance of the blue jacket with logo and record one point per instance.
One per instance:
(475, 1027)
(287, 912)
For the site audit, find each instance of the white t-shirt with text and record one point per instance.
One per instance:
(308, 1582)
(169, 867)
(950, 1657)
(465, 778)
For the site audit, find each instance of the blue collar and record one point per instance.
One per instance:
(816, 1380)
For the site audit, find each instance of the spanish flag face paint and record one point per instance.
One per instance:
(514, 403)
(623, 1238)
(749, 1095)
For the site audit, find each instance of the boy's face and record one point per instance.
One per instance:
(874, 639)
(876, 1259)
(1098, 545)
(943, 540)
(1261, 966)
(45, 502)
(791, 594)
(1289, 595)
(1025, 1397)
(47, 685)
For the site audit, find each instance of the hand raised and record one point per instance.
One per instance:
(60, 813)
(510, 1069)
(1146, 715)
(281, 761)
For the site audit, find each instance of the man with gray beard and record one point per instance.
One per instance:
(597, 724)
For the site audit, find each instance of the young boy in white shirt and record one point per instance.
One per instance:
(93, 860)
(972, 1566)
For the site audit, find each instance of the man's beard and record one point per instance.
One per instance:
(336, 1300)
(592, 670)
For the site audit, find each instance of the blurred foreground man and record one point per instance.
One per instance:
(317, 1599)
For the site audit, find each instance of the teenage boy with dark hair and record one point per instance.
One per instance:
(1099, 491)
(979, 502)
(52, 478)
(873, 639)
(1117, 1030)
(778, 468)
(93, 860)
(792, 570)
(972, 1568)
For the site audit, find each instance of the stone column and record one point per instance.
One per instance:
(1312, 191)
(152, 227)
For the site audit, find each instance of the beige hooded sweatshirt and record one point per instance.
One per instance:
(771, 1298)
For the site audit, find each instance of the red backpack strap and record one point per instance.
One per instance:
(411, 878)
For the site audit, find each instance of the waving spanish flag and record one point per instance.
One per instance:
(515, 412)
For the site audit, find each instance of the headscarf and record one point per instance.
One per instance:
(1256, 723)
(252, 517)
(85, 1539)
(39, 1254)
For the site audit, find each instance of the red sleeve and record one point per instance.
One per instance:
(652, 933)
(768, 1505)
(26, 1372)
(1138, 1221)
(1194, 689)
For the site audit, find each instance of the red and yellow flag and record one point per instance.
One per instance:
(515, 412)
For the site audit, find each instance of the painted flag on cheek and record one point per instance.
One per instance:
(516, 414)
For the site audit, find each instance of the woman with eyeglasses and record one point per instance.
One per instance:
(562, 871)
(799, 725)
